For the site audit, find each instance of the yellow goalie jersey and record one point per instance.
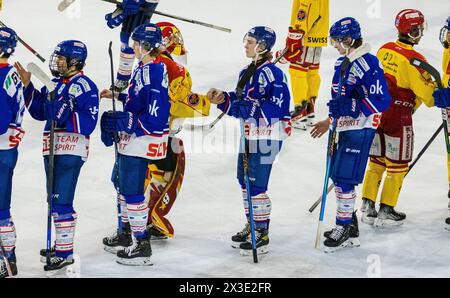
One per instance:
(446, 67)
(311, 16)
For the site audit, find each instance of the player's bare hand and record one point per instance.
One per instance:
(320, 128)
(106, 93)
(25, 76)
(216, 96)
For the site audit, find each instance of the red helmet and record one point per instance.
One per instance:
(408, 21)
(172, 38)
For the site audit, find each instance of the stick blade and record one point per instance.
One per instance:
(41, 75)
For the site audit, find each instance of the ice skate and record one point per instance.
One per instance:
(12, 266)
(262, 243)
(118, 241)
(43, 254)
(369, 213)
(138, 254)
(353, 233)
(447, 223)
(241, 237)
(58, 265)
(339, 238)
(156, 234)
(388, 217)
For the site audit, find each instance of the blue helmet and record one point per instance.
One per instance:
(74, 51)
(148, 35)
(264, 35)
(346, 27)
(8, 41)
(444, 33)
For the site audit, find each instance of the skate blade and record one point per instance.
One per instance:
(368, 220)
(158, 238)
(135, 262)
(248, 252)
(113, 250)
(236, 245)
(354, 242)
(387, 223)
(334, 249)
(66, 271)
(299, 126)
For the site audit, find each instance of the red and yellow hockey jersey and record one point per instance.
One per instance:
(311, 16)
(408, 85)
(184, 103)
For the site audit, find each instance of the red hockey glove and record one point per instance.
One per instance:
(294, 43)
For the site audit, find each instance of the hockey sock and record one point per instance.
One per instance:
(299, 83)
(372, 179)
(393, 183)
(262, 206)
(65, 220)
(7, 234)
(314, 80)
(123, 210)
(137, 215)
(345, 202)
(126, 64)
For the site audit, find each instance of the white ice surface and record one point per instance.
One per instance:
(209, 208)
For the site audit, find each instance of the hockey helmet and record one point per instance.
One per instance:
(344, 28)
(148, 35)
(8, 41)
(264, 36)
(444, 34)
(172, 40)
(410, 22)
(74, 51)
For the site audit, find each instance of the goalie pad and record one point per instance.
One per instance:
(163, 187)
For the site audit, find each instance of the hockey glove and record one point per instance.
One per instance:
(131, 7)
(57, 110)
(106, 136)
(294, 43)
(442, 98)
(114, 20)
(245, 109)
(283, 59)
(344, 106)
(120, 122)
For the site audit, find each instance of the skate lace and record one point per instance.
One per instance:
(337, 233)
(112, 237)
(3, 269)
(56, 260)
(133, 246)
(245, 230)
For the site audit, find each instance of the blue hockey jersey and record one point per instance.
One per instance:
(364, 80)
(72, 138)
(11, 107)
(148, 100)
(269, 88)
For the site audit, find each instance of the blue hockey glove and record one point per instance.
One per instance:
(442, 98)
(106, 136)
(120, 122)
(57, 110)
(114, 20)
(131, 7)
(344, 106)
(245, 109)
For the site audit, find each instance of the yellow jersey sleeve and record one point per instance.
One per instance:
(311, 16)
(446, 68)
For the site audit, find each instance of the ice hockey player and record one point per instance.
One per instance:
(261, 100)
(165, 176)
(11, 133)
(359, 95)
(143, 129)
(445, 40)
(130, 14)
(392, 148)
(307, 35)
(74, 111)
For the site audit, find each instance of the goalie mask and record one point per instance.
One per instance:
(444, 35)
(172, 40)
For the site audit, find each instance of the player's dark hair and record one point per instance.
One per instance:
(5, 55)
(358, 42)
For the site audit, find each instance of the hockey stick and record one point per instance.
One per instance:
(430, 141)
(119, 4)
(63, 5)
(27, 46)
(41, 76)
(330, 153)
(116, 148)
(5, 260)
(211, 126)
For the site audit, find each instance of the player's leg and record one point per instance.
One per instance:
(132, 173)
(66, 172)
(164, 181)
(299, 85)
(313, 81)
(8, 159)
(261, 157)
